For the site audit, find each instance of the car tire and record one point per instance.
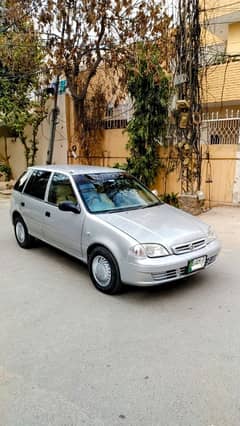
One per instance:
(104, 271)
(23, 238)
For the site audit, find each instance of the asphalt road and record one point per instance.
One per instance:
(71, 356)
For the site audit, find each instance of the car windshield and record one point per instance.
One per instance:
(113, 192)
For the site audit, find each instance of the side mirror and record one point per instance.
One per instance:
(69, 206)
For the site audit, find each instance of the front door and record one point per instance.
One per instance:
(63, 229)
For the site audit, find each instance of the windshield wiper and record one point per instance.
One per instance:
(157, 203)
(128, 208)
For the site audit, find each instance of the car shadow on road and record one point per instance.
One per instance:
(173, 289)
(58, 255)
(178, 288)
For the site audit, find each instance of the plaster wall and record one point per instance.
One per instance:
(15, 148)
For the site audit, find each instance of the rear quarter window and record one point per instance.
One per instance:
(37, 184)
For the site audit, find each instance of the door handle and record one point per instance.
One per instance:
(47, 214)
(22, 204)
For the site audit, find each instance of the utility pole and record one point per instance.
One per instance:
(188, 94)
(55, 112)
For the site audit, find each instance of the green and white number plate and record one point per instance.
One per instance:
(196, 264)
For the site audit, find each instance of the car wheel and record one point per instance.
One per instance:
(21, 233)
(104, 271)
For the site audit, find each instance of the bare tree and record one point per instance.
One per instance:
(85, 35)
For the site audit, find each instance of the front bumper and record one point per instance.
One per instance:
(150, 272)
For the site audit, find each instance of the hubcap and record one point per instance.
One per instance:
(20, 232)
(102, 271)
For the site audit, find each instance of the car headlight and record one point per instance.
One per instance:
(211, 236)
(148, 250)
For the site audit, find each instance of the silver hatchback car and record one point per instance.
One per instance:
(109, 220)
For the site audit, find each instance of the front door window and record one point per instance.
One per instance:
(61, 190)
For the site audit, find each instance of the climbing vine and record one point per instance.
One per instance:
(149, 87)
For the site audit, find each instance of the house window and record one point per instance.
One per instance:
(214, 139)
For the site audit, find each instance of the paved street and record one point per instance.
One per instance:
(71, 356)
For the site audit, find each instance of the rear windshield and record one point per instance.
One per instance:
(112, 192)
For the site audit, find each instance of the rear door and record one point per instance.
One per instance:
(32, 202)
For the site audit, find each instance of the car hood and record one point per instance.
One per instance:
(161, 224)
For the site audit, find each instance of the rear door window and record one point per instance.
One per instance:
(37, 184)
(19, 185)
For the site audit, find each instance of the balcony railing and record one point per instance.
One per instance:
(118, 117)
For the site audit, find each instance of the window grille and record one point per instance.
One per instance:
(222, 130)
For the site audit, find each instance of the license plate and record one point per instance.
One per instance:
(196, 264)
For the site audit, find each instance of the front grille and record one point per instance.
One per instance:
(170, 275)
(188, 247)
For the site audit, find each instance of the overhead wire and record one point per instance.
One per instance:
(219, 7)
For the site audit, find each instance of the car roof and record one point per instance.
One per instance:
(75, 169)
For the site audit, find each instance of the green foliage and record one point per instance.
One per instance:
(149, 88)
(171, 199)
(6, 170)
(21, 58)
(122, 166)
